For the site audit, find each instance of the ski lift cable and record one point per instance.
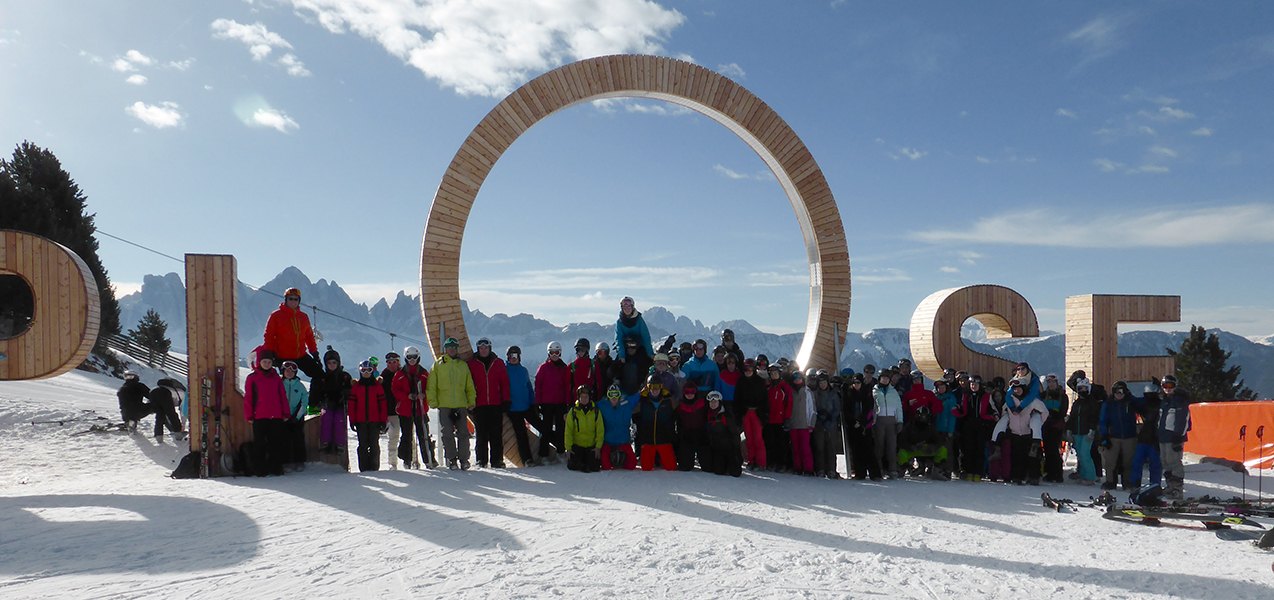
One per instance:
(312, 307)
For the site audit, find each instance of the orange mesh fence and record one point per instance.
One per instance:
(1239, 431)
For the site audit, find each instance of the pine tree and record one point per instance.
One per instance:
(151, 334)
(1201, 369)
(47, 202)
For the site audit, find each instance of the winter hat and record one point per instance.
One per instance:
(869, 369)
(661, 357)
(331, 355)
(130, 375)
(1083, 384)
(266, 354)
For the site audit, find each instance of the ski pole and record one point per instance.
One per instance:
(1243, 442)
(1260, 476)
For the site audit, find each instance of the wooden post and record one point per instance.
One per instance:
(212, 323)
(1092, 336)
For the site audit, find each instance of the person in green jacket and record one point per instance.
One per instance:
(584, 433)
(299, 404)
(450, 390)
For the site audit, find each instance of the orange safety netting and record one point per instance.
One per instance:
(1218, 431)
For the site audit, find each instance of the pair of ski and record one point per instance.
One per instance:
(211, 394)
(1068, 505)
(1220, 523)
(106, 428)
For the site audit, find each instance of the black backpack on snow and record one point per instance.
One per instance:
(188, 468)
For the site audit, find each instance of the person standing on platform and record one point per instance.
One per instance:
(631, 323)
(289, 335)
(491, 382)
(451, 390)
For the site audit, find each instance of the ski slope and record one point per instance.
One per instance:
(95, 516)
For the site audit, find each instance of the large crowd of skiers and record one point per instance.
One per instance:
(678, 407)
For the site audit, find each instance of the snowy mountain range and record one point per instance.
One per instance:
(167, 295)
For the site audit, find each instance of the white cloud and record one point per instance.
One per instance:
(1153, 169)
(1099, 37)
(275, 119)
(1010, 156)
(123, 66)
(1203, 131)
(295, 67)
(1162, 151)
(1062, 112)
(1167, 113)
(136, 79)
(732, 70)
(869, 276)
(631, 277)
(489, 48)
(949, 270)
(1106, 165)
(901, 152)
(259, 39)
(732, 174)
(667, 110)
(1146, 130)
(1219, 225)
(594, 307)
(160, 117)
(181, 65)
(969, 257)
(93, 58)
(984, 160)
(138, 58)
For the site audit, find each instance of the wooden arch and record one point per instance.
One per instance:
(659, 78)
(935, 329)
(67, 314)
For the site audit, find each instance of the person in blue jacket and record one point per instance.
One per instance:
(631, 323)
(1117, 430)
(521, 403)
(1174, 422)
(945, 421)
(701, 370)
(617, 442)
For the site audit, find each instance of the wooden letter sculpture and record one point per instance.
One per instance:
(1092, 337)
(67, 314)
(212, 334)
(659, 78)
(935, 329)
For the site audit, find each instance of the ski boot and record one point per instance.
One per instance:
(453, 465)
(464, 465)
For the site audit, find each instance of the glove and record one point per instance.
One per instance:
(1178, 447)
(597, 453)
(314, 355)
(384, 427)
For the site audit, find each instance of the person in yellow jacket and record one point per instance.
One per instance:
(450, 390)
(584, 433)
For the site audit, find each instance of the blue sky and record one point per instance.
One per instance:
(1057, 148)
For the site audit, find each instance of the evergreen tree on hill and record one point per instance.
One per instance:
(47, 202)
(1201, 369)
(151, 334)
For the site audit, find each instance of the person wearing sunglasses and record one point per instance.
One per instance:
(409, 387)
(491, 382)
(630, 323)
(452, 392)
(368, 416)
(288, 334)
(553, 396)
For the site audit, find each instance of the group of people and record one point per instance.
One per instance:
(679, 407)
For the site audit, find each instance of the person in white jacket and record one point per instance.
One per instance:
(1023, 419)
(889, 420)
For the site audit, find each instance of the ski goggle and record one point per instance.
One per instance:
(555, 352)
(1169, 386)
(365, 370)
(482, 343)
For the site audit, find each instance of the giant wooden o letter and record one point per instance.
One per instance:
(935, 328)
(635, 76)
(64, 326)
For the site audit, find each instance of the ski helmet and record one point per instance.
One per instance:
(365, 365)
(375, 361)
(411, 352)
(583, 389)
(450, 343)
(130, 374)
(287, 364)
(1120, 386)
(1168, 380)
(601, 347)
(613, 392)
(482, 341)
(714, 396)
(292, 292)
(654, 379)
(661, 357)
(392, 356)
(811, 374)
(581, 345)
(513, 350)
(554, 347)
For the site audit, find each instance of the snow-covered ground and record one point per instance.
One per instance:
(95, 516)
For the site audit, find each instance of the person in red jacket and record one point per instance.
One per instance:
(584, 370)
(413, 410)
(918, 396)
(368, 416)
(553, 397)
(266, 409)
(289, 336)
(491, 382)
(778, 443)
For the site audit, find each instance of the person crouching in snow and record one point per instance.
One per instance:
(584, 433)
(725, 457)
(265, 406)
(368, 416)
(654, 418)
(920, 442)
(617, 442)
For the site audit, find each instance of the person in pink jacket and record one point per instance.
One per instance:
(491, 382)
(553, 397)
(266, 409)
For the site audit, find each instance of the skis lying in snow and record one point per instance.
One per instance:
(1068, 505)
(1261, 539)
(1146, 515)
(107, 428)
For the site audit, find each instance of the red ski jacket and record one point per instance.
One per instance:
(411, 380)
(367, 403)
(491, 383)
